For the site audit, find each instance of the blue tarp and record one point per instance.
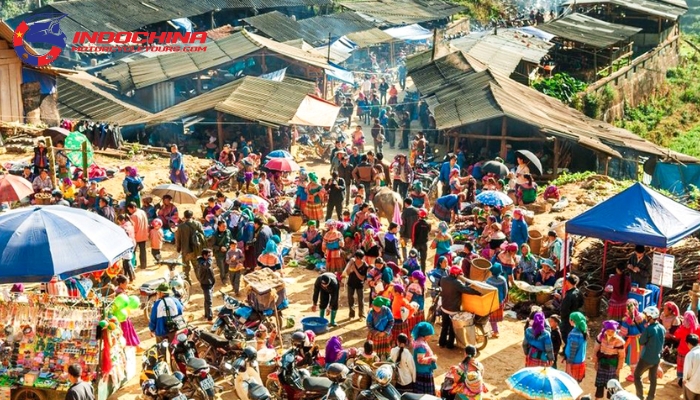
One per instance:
(47, 82)
(184, 25)
(335, 72)
(638, 215)
(676, 178)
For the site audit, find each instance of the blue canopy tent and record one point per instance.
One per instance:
(637, 215)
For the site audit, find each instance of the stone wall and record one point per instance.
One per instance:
(638, 81)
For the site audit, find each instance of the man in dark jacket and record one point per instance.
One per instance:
(345, 173)
(336, 193)
(392, 125)
(364, 174)
(328, 288)
(205, 275)
(221, 241)
(261, 235)
(572, 302)
(409, 217)
(419, 236)
(377, 128)
(452, 286)
(41, 158)
(183, 242)
(356, 271)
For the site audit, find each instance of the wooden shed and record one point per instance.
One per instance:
(11, 106)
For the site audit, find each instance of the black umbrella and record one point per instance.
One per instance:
(495, 167)
(535, 164)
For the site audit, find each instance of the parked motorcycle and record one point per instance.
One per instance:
(246, 371)
(164, 387)
(217, 176)
(155, 362)
(381, 389)
(218, 351)
(291, 383)
(235, 320)
(199, 384)
(338, 374)
(180, 288)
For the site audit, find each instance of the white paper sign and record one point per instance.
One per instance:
(662, 270)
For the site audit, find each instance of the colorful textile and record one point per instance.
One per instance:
(497, 316)
(536, 362)
(576, 371)
(314, 211)
(632, 350)
(604, 374)
(382, 343)
(425, 384)
(129, 333)
(616, 311)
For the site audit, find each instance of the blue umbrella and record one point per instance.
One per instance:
(493, 198)
(279, 154)
(39, 242)
(541, 383)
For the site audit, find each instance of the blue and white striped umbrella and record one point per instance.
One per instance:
(39, 242)
(493, 198)
(544, 383)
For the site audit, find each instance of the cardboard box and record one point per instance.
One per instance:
(481, 305)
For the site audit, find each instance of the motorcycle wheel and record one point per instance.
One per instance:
(276, 390)
(431, 315)
(482, 338)
(185, 292)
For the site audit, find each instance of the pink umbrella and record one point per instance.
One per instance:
(14, 188)
(282, 164)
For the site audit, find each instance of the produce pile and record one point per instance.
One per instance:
(685, 273)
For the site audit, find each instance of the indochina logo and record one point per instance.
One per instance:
(40, 29)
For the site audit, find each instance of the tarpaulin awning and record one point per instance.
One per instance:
(277, 76)
(314, 111)
(409, 32)
(637, 215)
(340, 74)
(538, 33)
(184, 24)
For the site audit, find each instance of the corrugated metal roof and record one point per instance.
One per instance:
(142, 73)
(283, 28)
(220, 32)
(502, 60)
(485, 95)
(589, 31)
(528, 47)
(337, 25)
(251, 98)
(369, 37)
(436, 74)
(404, 12)
(83, 96)
(651, 7)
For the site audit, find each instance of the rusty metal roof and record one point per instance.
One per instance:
(255, 99)
(283, 28)
(589, 31)
(220, 32)
(665, 9)
(83, 96)
(142, 73)
(485, 95)
(404, 12)
(506, 41)
(429, 76)
(370, 37)
(337, 25)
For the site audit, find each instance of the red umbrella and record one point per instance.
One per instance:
(282, 164)
(14, 188)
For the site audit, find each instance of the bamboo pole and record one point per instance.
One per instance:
(84, 151)
(52, 158)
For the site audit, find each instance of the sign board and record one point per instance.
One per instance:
(662, 270)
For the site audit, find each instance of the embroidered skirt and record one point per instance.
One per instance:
(314, 211)
(604, 374)
(576, 371)
(335, 262)
(399, 328)
(497, 316)
(382, 344)
(679, 365)
(425, 384)
(633, 350)
(616, 311)
(536, 362)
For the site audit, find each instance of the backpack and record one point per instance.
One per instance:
(197, 241)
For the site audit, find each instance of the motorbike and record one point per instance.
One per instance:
(305, 387)
(246, 372)
(182, 349)
(235, 320)
(164, 387)
(338, 375)
(217, 175)
(155, 362)
(180, 288)
(198, 382)
(381, 389)
(218, 351)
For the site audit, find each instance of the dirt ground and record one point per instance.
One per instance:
(501, 358)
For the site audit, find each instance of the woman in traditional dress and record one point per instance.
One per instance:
(128, 331)
(689, 326)
(671, 320)
(619, 286)
(269, 257)
(380, 322)
(314, 203)
(403, 312)
(575, 350)
(499, 281)
(631, 329)
(248, 187)
(311, 239)
(608, 356)
(465, 379)
(415, 293)
(418, 196)
(302, 195)
(424, 358)
(538, 343)
(442, 243)
(177, 166)
(507, 257)
(527, 265)
(332, 244)
(370, 246)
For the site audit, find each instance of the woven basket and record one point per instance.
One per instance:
(480, 269)
(265, 370)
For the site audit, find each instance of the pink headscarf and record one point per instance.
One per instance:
(690, 321)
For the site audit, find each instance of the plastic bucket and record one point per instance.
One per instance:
(535, 238)
(480, 269)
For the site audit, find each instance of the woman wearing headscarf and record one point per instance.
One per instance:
(631, 329)
(332, 248)
(538, 343)
(424, 358)
(415, 293)
(498, 281)
(619, 286)
(311, 239)
(370, 246)
(608, 356)
(527, 265)
(671, 319)
(314, 203)
(335, 352)
(507, 257)
(302, 195)
(546, 275)
(177, 166)
(380, 322)
(689, 326)
(269, 257)
(418, 196)
(442, 243)
(465, 378)
(403, 311)
(575, 350)
(132, 186)
(248, 187)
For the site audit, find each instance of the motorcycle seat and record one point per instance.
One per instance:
(418, 396)
(316, 384)
(214, 340)
(196, 364)
(257, 391)
(167, 382)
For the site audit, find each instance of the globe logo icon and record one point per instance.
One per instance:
(41, 30)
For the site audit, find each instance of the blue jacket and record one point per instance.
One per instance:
(575, 350)
(501, 284)
(445, 172)
(159, 317)
(518, 232)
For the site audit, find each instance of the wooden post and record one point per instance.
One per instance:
(84, 153)
(435, 43)
(504, 130)
(269, 138)
(52, 160)
(391, 53)
(555, 162)
(595, 64)
(220, 128)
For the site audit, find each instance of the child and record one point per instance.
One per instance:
(405, 365)
(346, 216)
(379, 140)
(156, 239)
(368, 355)
(412, 263)
(324, 193)
(234, 260)
(148, 208)
(554, 322)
